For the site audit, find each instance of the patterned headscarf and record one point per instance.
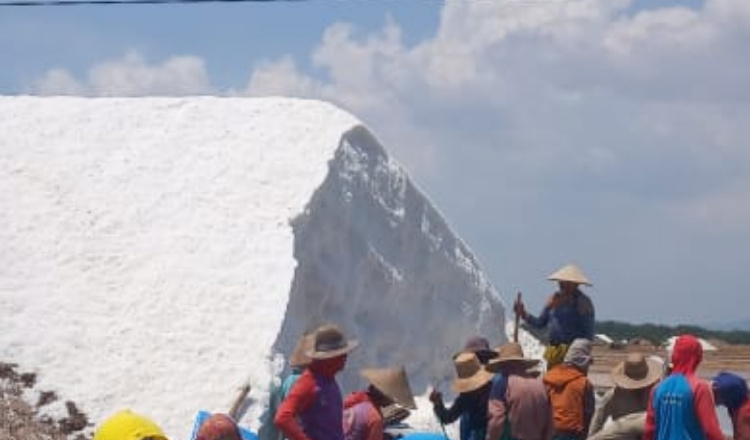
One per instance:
(218, 427)
(579, 353)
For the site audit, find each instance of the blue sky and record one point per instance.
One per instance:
(609, 133)
(232, 38)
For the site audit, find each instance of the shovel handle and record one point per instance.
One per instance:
(241, 396)
(517, 319)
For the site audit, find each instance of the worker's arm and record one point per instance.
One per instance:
(300, 397)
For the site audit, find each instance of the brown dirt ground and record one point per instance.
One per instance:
(734, 358)
(20, 420)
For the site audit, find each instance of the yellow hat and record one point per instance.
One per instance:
(126, 425)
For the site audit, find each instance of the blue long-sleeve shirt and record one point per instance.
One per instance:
(567, 318)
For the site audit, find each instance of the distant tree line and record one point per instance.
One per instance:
(657, 334)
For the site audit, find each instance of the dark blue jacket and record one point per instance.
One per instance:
(567, 318)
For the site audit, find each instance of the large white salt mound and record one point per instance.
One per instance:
(159, 252)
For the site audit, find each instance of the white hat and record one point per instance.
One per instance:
(570, 273)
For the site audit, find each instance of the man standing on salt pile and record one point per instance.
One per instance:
(363, 410)
(313, 410)
(681, 406)
(568, 314)
(626, 403)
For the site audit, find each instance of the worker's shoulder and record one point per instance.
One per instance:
(585, 305)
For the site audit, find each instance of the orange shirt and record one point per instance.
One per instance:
(572, 398)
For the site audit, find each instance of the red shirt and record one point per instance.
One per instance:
(741, 422)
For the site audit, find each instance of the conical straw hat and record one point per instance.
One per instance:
(393, 383)
(570, 273)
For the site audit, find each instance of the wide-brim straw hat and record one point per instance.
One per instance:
(510, 354)
(470, 373)
(299, 357)
(393, 383)
(329, 342)
(570, 273)
(636, 372)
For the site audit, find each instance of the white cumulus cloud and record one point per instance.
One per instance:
(535, 84)
(131, 75)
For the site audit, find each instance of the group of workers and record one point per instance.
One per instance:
(312, 407)
(503, 395)
(652, 399)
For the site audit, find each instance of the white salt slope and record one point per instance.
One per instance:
(158, 252)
